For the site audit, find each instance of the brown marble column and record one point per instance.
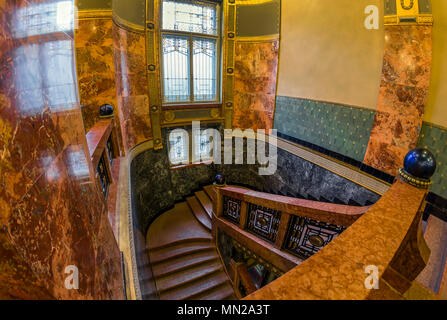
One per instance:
(403, 92)
(256, 65)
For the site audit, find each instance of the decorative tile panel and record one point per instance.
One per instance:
(344, 129)
(307, 236)
(263, 222)
(402, 96)
(232, 209)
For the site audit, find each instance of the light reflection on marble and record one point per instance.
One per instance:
(50, 207)
(132, 86)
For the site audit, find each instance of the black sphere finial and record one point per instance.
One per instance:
(420, 163)
(419, 167)
(219, 180)
(106, 110)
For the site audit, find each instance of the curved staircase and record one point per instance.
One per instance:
(184, 259)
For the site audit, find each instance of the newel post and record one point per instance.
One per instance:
(413, 254)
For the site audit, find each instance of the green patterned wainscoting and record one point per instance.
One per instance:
(435, 139)
(339, 128)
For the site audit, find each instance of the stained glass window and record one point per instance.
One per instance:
(202, 146)
(189, 16)
(190, 51)
(176, 75)
(205, 69)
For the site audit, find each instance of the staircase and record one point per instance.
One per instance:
(184, 259)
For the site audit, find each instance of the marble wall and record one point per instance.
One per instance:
(155, 187)
(296, 177)
(256, 66)
(51, 212)
(402, 96)
(132, 86)
(96, 70)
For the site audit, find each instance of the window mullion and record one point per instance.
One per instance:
(191, 68)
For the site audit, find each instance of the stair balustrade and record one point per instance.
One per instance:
(332, 251)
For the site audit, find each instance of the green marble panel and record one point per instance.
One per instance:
(339, 128)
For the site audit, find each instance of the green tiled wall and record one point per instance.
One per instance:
(339, 128)
(435, 139)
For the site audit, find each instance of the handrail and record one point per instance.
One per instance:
(384, 240)
(378, 257)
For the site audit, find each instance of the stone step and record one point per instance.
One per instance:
(222, 291)
(179, 242)
(180, 249)
(184, 262)
(206, 202)
(187, 277)
(199, 212)
(197, 288)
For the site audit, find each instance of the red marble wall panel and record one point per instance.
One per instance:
(402, 96)
(256, 65)
(96, 70)
(51, 212)
(132, 86)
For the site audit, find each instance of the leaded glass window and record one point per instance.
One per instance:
(190, 51)
(178, 147)
(202, 145)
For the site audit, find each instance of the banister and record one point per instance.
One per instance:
(273, 251)
(387, 237)
(378, 257)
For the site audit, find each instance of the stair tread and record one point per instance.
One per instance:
(186, 276)
(178, 250)
(176, 243)
(206, 202)
(182, 262)
(198, 287)
(177, 224)
(219, 292)
(199, 212)
(210, 191)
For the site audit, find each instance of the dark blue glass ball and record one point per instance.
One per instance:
(420, 163)
(219, 179)
(105, 110)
